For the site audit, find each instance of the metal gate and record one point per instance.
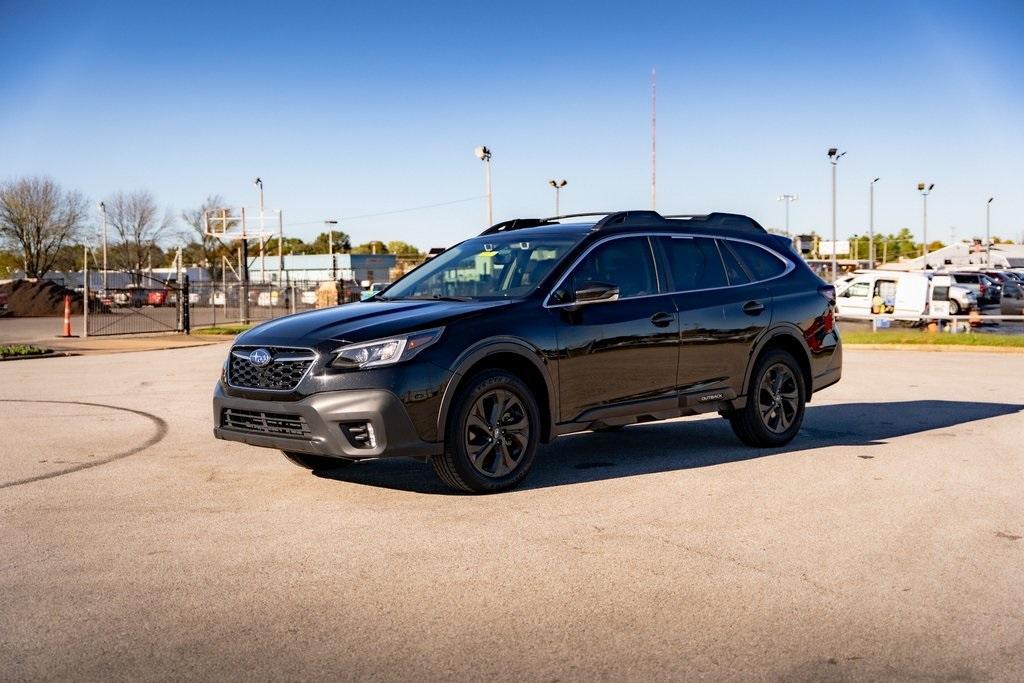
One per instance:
(143, 303)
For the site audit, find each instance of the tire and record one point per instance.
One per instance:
(771, 417)
(492, 435)
(317, 462)
(954, 307)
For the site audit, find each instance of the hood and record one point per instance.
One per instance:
(362, 321)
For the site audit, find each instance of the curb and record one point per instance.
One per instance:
(51, 354)
(940, 348)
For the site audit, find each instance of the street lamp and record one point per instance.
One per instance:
(484, 154)
(789, 199)
(834, 155)
(988, 232)
(925, 190)
(103, 212)
(329, 224)
(558, 185)
(871, 223)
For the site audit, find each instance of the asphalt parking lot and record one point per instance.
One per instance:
(884, 542)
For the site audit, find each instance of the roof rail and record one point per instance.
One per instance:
(728, 221)
(580, 215)
(614, 219)
(626, 218)
(516, 224)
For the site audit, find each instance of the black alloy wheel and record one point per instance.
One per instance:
(497, 433)
(774, 409)
(492, 432)
(778, 398)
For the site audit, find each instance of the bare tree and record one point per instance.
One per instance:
(38, 217)
(136, 220)
(209, 245)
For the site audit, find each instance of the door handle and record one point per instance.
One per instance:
(753, 308)
(662, 319)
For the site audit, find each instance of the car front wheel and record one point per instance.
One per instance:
(775, 403)
(492, 435)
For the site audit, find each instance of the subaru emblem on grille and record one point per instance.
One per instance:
(260, 358)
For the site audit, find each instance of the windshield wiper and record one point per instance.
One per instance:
(432, 297)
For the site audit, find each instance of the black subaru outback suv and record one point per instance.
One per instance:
(537, 328)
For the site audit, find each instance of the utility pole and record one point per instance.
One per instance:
(103, 213)
(484, 155)
(789, 199)
(988, 232)
(871, 222)
(834, 156)
(558, 185)
(654, 140)
(925, 191)
(329, 224)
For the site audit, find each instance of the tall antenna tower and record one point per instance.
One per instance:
(654, 140)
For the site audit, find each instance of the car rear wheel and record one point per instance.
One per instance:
(317, 462)
(775, 403)
(492, 435)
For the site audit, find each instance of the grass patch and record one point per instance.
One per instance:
(232, 330)
(934, 338)
(21, 350)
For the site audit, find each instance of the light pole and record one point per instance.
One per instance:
(484, 155)
(789, 199)
(834, 155)
(103, 213)
(871, 223)
(925, 191)
(988, 232)
(558, 185)
(329, 224)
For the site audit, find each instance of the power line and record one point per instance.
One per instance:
(345, 219)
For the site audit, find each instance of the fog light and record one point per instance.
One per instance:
(360, 434)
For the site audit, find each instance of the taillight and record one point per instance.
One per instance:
(829, 292)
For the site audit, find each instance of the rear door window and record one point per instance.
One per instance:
(694, 263)
(733, 268)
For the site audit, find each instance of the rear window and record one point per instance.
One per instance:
(737, 276)
(694, 263)
(761, 262)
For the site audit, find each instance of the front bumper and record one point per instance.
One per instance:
(324, 413)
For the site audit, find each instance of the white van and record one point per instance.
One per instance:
(903, 295)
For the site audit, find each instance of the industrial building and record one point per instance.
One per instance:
(361, 268)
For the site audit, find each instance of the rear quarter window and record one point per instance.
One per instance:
(762, 263)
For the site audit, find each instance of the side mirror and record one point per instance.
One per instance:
(592, 292)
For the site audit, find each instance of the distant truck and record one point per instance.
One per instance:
(906, 296)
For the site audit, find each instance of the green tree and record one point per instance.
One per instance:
(292, 245)
(374, 247)
(321, 245)
(402, 248)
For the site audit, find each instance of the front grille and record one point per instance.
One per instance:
(277, 424)
(286, 369)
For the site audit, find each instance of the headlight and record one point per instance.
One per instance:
(385, 351)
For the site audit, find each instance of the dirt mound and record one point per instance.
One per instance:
(26, 299)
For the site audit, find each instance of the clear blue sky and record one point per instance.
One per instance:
(357, 108)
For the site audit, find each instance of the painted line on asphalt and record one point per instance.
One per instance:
(161, 432)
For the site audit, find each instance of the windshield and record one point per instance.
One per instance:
(490, 267)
